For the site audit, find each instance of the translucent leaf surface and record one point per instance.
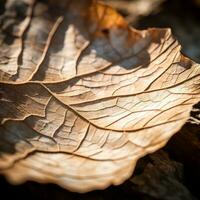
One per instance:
(83, 96)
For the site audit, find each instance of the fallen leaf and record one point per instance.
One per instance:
(83, 96)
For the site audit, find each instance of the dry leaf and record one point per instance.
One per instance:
(83, 96)
(136, 8)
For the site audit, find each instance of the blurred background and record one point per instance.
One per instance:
(171, 173)
(183, 16)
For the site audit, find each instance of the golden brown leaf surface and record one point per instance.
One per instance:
(83, 96)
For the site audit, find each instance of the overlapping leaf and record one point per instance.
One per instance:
(83, 96)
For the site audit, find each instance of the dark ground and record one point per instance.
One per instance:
(172, 173)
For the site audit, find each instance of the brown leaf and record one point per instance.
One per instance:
(83, 96)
